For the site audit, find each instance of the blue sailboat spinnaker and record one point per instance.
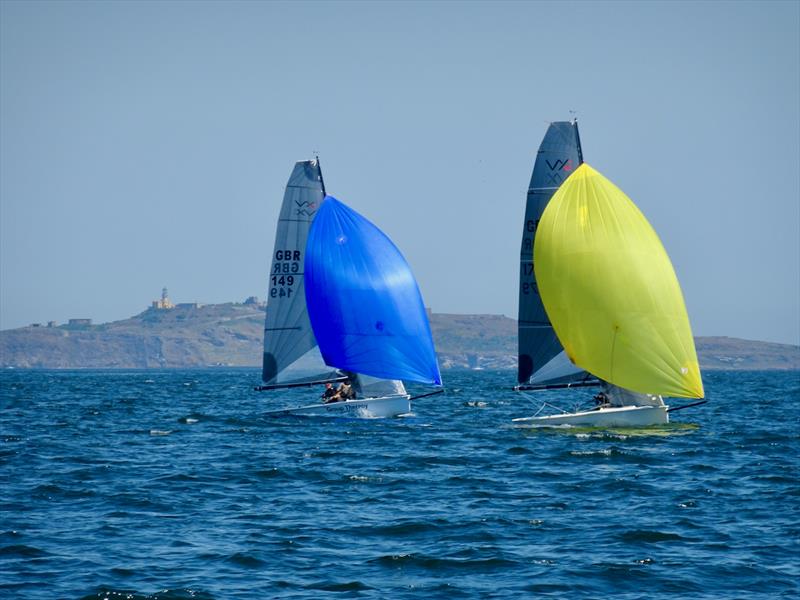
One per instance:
(364, 304)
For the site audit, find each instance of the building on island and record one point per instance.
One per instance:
(79, 322)
(165, 303)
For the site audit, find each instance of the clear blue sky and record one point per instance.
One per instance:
(147, 144)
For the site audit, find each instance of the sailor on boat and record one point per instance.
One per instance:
(329, 395)
(345, 391)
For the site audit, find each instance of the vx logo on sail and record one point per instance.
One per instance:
(560, 165)
(555, 177)
(306, 208)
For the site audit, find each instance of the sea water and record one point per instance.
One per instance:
(172, 484)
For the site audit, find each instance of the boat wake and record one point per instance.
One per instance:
(662, 430)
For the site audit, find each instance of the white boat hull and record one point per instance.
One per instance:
(623, 416)
(386, 406)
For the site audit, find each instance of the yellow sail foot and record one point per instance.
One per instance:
(610, 291)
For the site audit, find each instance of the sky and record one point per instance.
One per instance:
(147, 144)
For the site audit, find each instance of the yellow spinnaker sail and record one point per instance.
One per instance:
(610, 291)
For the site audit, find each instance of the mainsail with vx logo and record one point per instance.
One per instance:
(542, 362)
(287, 330)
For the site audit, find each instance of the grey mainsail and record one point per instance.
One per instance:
(287, 331)
(559, 154)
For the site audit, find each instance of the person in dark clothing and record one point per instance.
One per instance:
(329, 395)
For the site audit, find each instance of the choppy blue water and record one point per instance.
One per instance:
(170, 484)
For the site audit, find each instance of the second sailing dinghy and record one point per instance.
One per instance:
(612, 296)
(364, 311)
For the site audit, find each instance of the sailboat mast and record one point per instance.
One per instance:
(321, 180)
(577, 142)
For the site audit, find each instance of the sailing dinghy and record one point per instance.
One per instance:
(351, 299)
(611, 294)
(542, 363)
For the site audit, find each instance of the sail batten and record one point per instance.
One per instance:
(610, 290)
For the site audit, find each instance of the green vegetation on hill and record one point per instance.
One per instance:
(231, 335)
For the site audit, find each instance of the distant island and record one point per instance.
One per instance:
(190, 335)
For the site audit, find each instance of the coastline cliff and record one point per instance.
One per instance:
(214, 335)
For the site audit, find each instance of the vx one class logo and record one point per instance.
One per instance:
(560, 165)
(555, 177)
(306, 208)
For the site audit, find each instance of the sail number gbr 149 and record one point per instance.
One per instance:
(285, 273)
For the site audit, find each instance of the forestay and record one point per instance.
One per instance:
(287, 331)
(363, 301)
(559, 155)
(611, 292)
